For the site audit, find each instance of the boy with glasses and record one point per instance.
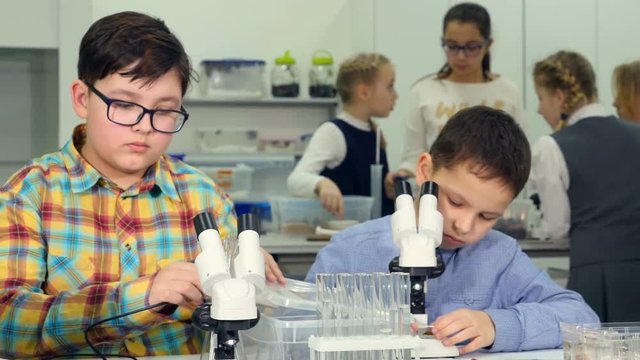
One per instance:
(104, 226)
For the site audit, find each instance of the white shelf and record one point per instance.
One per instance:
(269, 101)
(257, 159)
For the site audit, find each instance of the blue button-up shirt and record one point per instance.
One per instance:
(493, 275)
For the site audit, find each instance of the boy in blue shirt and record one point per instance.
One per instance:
(491, 295)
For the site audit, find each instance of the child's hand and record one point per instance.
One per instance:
(330, 197)
(390, 179)
(272, 271)
(177, 283)
(462, 325)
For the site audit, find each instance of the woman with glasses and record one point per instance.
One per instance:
(464, 80)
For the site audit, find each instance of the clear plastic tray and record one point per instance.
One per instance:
(281, 334)
(301, 216)
(295, 294)
(605, 341)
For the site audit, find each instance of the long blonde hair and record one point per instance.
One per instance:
(570, 72)
(626, 85)
(360, 68)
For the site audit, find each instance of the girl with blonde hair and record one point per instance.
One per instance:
(626, 86)
(339, 155)
(584, 174)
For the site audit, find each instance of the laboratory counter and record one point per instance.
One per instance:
(295, 253)
(555, 354)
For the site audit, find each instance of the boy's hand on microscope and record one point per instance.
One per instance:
(177, 283)
(330, 197)
(465, 325)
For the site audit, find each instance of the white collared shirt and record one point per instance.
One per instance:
(549, 178)
(327, 148)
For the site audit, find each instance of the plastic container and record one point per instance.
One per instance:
(281, 334)
(301, 216)
(606, 341)
(285, 80)
(515, 220)
(232, 78)
(295, 294)
(321, 75)
(236, 180)
(227, 140)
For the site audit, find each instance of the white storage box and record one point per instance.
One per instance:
(236, 180)
(232, 79)
(227, 140)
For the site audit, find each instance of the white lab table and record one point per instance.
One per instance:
(555, 354)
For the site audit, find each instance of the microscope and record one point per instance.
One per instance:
(230, 281)
(418, 240)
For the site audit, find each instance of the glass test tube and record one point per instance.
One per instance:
(325, 287)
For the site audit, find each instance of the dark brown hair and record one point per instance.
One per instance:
(474, 14)
(491, 140)
(120, 40)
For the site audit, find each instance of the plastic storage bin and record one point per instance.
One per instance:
(227, 140)
(302, 215)
(281, 334)
(516, 220)
(233, 79)
(236, 180)
(606, 341)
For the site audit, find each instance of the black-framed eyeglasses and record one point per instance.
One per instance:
(470, 49)
(128, 113)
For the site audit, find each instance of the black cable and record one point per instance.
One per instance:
(95, 350)
(72, 356)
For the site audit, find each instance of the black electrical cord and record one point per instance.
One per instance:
(95, 350)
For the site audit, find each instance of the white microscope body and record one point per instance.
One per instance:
(418, 241)
(233, 288)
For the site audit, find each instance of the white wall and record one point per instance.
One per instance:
(547, 31)
(407, 31)
(29, 24)
(618, 29)
(251, 29)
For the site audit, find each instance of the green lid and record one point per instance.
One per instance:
(322, 57)
(285, 59)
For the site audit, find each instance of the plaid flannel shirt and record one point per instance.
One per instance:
(76, 249)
